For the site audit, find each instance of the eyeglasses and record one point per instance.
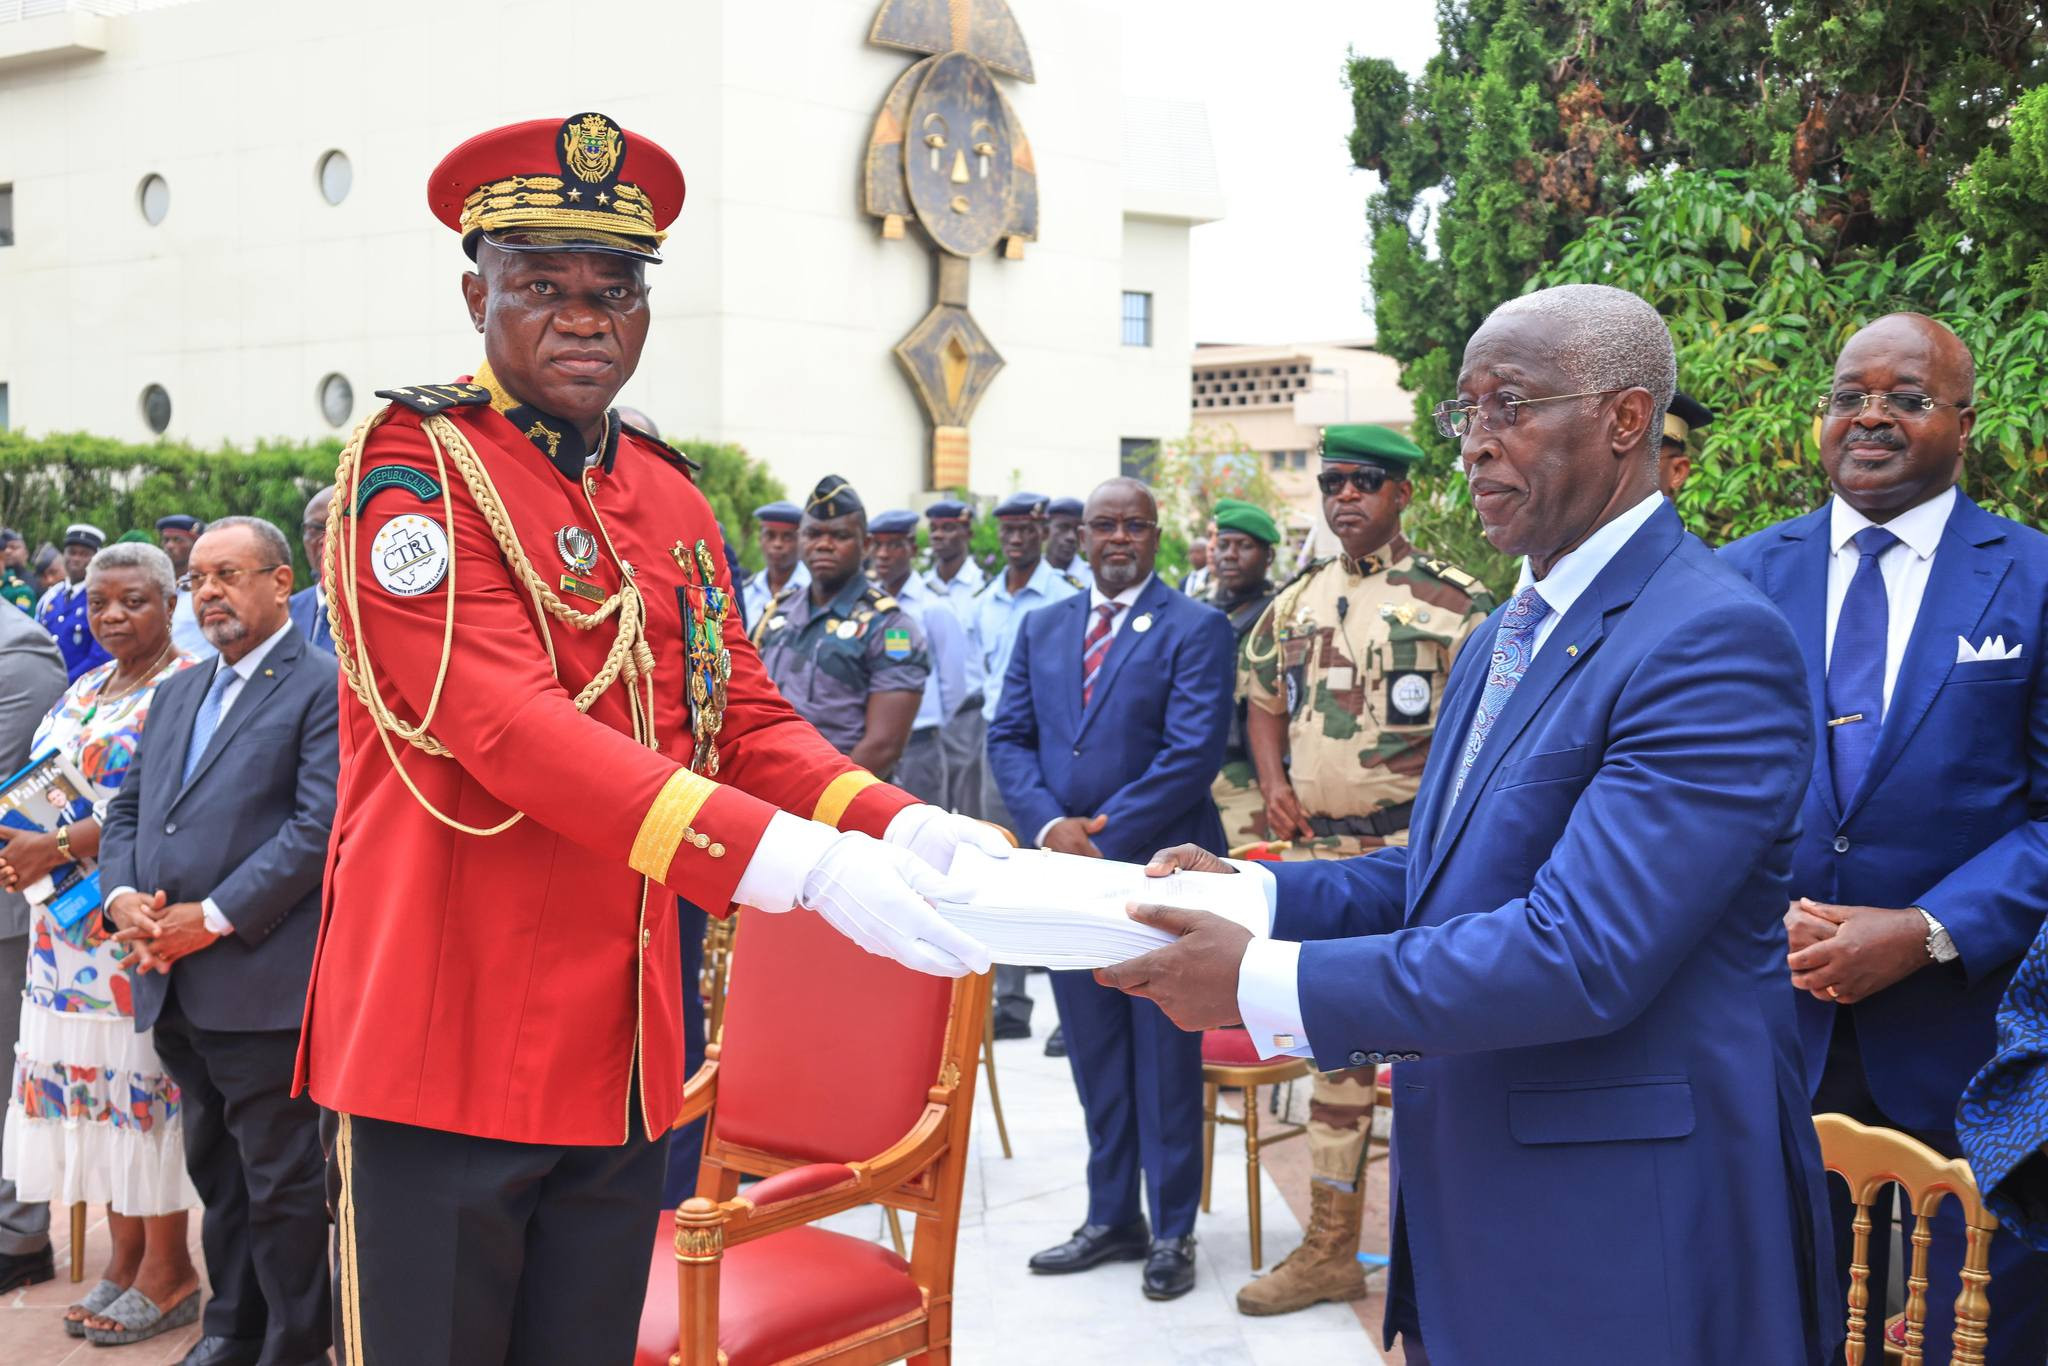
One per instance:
(1454, 417)
(226, 578)
(1363, 478)
(1903, 402)
(1134, 527)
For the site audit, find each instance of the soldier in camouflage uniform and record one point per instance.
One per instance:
(1344, 675)
(845, 654)
(1240, 576)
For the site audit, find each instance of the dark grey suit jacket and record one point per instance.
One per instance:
(32, 678)
(250, 830)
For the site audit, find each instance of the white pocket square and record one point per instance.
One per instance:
(1994, 647)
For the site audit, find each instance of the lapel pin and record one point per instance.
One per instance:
(1572, 650)
(1142, 624)
(270, 673)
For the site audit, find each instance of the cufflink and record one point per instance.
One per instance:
(1283, 1041)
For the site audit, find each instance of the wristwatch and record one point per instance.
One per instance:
(64, 840)
(1940, 947)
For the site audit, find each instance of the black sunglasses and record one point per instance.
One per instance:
(1364, 478)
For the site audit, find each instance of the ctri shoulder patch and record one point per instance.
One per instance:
(380, 477)
(428, 399)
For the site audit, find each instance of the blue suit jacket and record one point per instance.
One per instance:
(1602, 1138)
(1953, 811)
(250, 830)
(311, 622)
(1145, 750)
(2003, 1119)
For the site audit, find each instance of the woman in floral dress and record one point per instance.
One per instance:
(92, 1114)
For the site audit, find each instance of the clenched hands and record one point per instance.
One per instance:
(1846, 954)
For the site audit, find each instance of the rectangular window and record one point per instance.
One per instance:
(1299, 460)
(3, 407)
(1278, 460)
(6, 215)
(1137, 318)
(1135, 455)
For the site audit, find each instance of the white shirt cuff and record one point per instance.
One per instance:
(1267, 884)
(1045, 830)
(108, 899)
(210, 912)
(1269, 998)
(790, 847)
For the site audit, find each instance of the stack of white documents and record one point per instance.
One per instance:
(1037, 908)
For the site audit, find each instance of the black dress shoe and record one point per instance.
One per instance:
(1170, 1268)
(18, 1269)
(1013, 1029)
(1092, 1245)
(212, 1351)
(1056, 1043)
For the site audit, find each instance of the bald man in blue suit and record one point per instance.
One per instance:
(1602, 1143)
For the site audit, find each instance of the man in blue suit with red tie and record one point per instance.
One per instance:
(1921, 874)
(1603, 1150)
(1112, 724)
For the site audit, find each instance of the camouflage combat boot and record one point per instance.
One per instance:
(1324, 1267)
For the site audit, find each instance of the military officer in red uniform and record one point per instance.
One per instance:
(552, 724)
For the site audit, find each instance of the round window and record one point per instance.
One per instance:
(336, 176)
(156, 408)
(337, 400)
(155, 198)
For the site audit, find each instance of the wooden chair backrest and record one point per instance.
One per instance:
(1871, 1159)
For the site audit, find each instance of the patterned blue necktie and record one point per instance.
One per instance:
(1513, 647)
(207, 722)
(1856, 666)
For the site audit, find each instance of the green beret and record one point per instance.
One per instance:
(1234, 514)
(833, 497)
(1365, 444)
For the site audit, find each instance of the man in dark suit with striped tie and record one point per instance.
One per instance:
(1113, 760)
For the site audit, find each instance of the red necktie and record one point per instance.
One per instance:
(1095, 649)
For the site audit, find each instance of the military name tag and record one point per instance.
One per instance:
(1408, 697)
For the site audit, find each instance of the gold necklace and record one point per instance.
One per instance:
(103, 696)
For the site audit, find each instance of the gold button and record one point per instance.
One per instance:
(717, 851)
(646, 938)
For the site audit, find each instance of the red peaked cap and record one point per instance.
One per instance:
(576, 184)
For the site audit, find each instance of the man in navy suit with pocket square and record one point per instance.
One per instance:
(1112, 724)
(1603, 1148)
(212, 860)
(1921, 874)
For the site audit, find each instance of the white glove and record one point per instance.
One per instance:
(876, 895)
(880, 898)
(935, 834)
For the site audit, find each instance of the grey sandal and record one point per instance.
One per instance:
(96, 1300)
(141, 1319)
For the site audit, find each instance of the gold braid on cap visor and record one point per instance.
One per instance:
(528, 202)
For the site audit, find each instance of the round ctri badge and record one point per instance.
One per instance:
(409, 555)
(1410, 695)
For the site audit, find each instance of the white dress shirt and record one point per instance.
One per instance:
(1268, 987)
(243, 669)
(1096, 601)
(1905, 568)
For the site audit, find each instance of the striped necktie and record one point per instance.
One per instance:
(1513, 642)
(1095, 649)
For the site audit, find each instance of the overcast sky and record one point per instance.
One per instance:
(1287, 263)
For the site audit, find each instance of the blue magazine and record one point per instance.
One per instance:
(47, 793)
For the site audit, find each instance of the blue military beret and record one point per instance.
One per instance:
(894, 522)
(1064, 507)
(786, 513)
(950, 510)
(1022, 505)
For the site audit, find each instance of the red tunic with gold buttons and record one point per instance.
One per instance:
(527, 985)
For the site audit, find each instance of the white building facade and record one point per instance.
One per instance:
(213, 217)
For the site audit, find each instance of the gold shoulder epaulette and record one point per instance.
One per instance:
(1072, 580)
(428, 399)
(1450, 573)
(986, 584)
(882, 601)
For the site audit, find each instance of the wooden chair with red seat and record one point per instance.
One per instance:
(1228, 1059)
(844, 1080)
(1871, 1160)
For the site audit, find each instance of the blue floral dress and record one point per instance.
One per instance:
(91, 1114)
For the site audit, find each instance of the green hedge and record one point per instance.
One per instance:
(49, 482)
